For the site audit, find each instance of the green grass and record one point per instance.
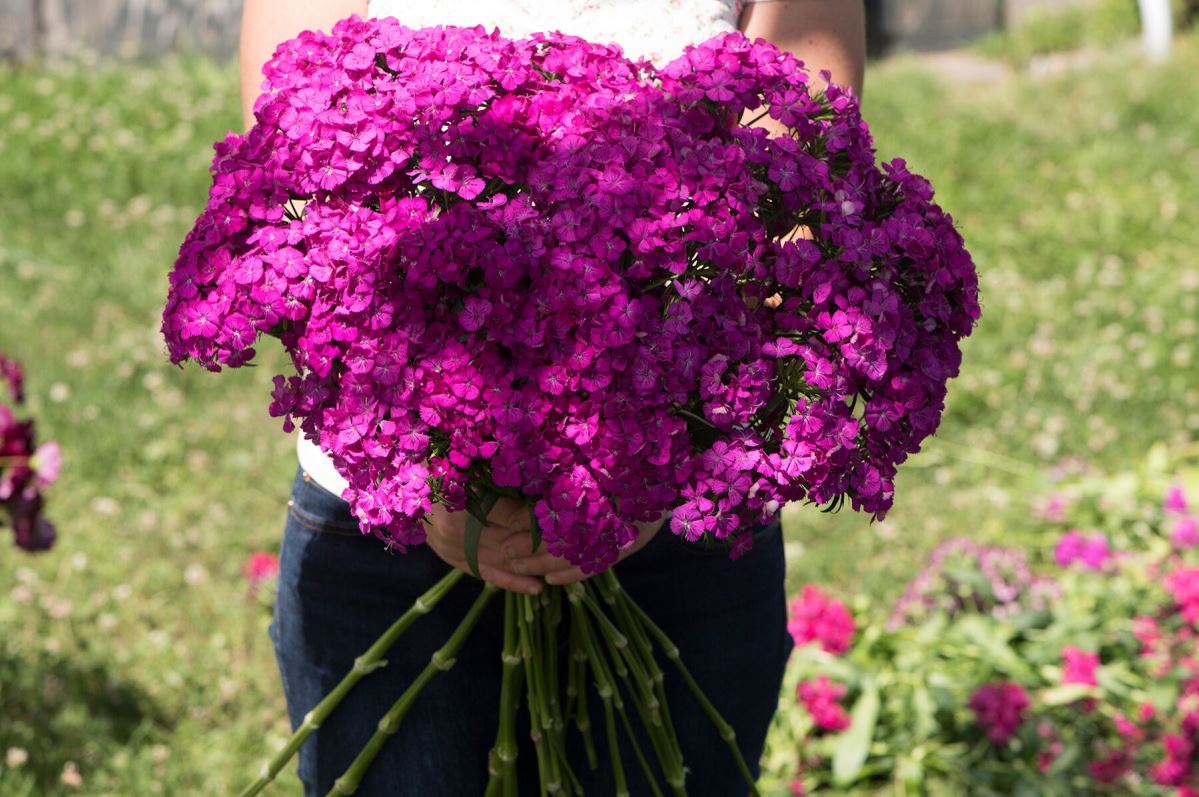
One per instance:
(130, 654)
(1094, 24)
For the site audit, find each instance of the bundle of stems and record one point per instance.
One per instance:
(556, 646)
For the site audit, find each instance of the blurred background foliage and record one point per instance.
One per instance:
(132, 661)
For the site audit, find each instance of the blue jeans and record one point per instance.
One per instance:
(339, 590)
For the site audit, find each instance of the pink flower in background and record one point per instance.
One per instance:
(821, 698)
(999, 707)
(260, 567)
(1183, 585)
(1177, 766)
(1079, 666)
(817, 617)
(1054, 507)
(1186, 532)
(1053, 746)
(1127, 728)
(47, 462)
(1148, 633)
(1091, 551)
(1175, 500)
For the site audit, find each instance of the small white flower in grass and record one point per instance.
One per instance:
(70, 776)
(103, 505)
(195, 574)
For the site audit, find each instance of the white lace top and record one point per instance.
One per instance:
(655, 29)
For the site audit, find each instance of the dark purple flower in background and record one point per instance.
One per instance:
(999, 707)
(10, 373)
(25, 469)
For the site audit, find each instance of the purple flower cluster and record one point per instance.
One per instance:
(962, 575)
(1090, 551)
(25, 468)
(536, 266)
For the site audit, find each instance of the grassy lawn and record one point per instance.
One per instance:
(131, 661)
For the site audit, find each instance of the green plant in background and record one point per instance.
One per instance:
(1063, 668)
(1092, 24)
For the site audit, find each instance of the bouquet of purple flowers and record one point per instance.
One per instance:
(26, 469)
(537, 268)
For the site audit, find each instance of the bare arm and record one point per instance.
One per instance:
(266, 23)
(824, 34)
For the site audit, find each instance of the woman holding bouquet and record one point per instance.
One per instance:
(338, 589)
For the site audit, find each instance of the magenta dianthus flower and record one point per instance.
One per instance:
(1079, 666)
(1175, 500)
(1185, 533)
(1090, 551)
(1000, 707)
(1183, 586)
(817, 617)
(821, 697)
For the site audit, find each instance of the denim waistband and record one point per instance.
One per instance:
(319, 510)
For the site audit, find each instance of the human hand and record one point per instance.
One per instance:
(521, 559)
(445, 532)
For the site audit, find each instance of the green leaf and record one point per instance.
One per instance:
(478, 507)
(535, 527)
(1065, 694)
(854, 745)
(924, 712)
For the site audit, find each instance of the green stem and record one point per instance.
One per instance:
(503, 768)
(756, 119)
(650, 682)
(528, 626)
(622, 786)
(629, 669)
(694, 417)
(610, 588)
(650, 778)
(723, 728)
(368, 662)
(441, 660)
(582, 716)
(603, 683)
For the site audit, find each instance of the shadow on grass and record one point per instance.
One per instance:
(59, 709)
